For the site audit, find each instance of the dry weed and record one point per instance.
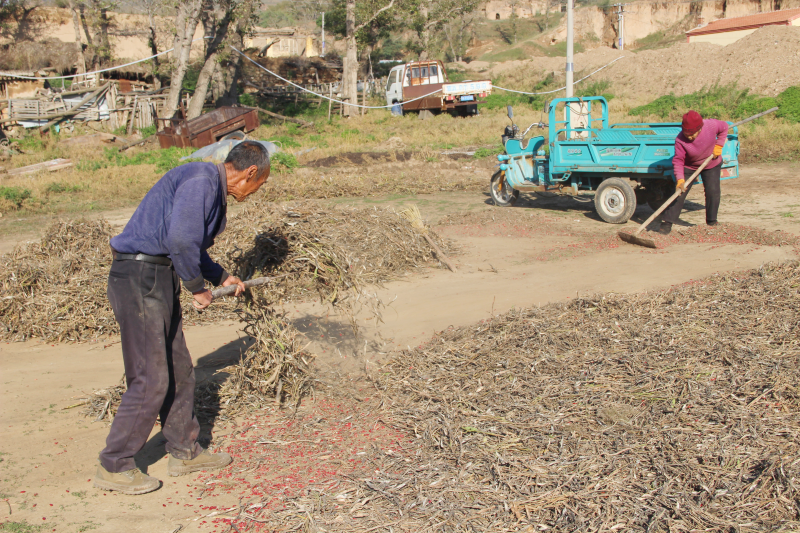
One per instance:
(674, 410)
(55, 289)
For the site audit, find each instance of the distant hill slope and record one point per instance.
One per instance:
(766, 62)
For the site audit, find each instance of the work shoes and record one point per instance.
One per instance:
(713, 223)
(205, 461)
(665, 228)
(131, 482)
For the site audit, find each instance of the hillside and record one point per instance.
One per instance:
(766, 62)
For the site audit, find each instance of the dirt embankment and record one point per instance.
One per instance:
(766, 62)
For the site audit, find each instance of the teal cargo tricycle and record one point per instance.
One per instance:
(624, 164)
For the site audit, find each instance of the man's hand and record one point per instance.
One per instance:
(681, 186)
(233, 280)
(717, 151)
(202, 299)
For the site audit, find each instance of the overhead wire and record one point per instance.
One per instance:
(561, 88)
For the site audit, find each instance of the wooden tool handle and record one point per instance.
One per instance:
(231, 289)
(672, 198)
(440, 254)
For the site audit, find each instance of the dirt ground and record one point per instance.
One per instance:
(545, 249)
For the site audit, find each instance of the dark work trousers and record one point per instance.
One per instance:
(712, 190)
(158, 367)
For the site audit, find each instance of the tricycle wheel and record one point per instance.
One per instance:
(615, 201)
(502, 194)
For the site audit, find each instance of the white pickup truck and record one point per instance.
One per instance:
(427, 79)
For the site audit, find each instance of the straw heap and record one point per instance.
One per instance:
(55, 289)
(666, 411)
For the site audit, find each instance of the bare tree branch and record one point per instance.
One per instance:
(375, 15)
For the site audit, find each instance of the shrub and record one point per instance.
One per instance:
(597, 88)
(14, 195)
(726, 103)
(283, 162)
(789, 102)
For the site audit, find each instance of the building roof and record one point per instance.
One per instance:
(784, 16)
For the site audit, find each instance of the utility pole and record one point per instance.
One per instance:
(621, 16)
(570, 39)
(323, 34)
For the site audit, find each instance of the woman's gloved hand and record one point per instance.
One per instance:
(717, 151)
(681, 186)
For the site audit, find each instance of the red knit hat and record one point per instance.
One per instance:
(692, 122)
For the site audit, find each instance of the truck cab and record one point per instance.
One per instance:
(420, 73)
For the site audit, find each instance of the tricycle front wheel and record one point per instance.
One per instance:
(615, 201)
(503, 195)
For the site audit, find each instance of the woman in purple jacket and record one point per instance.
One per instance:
(697, 140)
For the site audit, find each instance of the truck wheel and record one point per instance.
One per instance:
(615, 201)
(502, 194)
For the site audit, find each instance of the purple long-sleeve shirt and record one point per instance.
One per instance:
(691, 154)
(180, 217)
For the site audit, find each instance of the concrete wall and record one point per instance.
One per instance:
(286, 45)
(722, 39)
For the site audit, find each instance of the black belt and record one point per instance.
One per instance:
(155, 259)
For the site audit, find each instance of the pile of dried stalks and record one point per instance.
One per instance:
(330, 253)
(274, 369)
(665, 411)
(103, 403)
(55, 289)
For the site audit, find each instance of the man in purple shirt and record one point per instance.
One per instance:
(697, 140)
(164, 243)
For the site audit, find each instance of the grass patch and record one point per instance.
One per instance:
(789, 102)
(14, 196)
(19, 527)
(597, 88)
(285, 141)
(501, 99)
(481, 153)
(283, 162)
(148, 131)
(60, 187)
(723, 102)
(658, 39)
(769, 139)
(163, 159)
(512, 54)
